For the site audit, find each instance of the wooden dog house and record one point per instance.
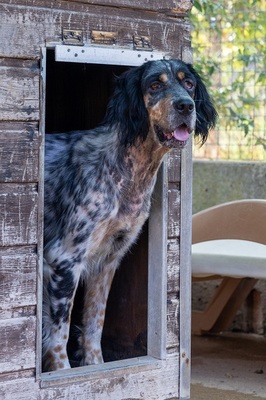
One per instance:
(57, 61)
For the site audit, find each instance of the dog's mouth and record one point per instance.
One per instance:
(176, 138)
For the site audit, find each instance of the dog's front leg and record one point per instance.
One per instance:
(60, 284)
(96, 295)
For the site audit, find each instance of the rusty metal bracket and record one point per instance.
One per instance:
(100, 37)
(142, 43)
(72, 37)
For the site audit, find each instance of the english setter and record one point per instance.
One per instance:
(98, 186)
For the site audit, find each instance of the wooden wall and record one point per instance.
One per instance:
(19, 154)
(25, 27)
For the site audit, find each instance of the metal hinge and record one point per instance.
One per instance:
(75, 38)
(72, 37)
(142, 43)
(100, 37)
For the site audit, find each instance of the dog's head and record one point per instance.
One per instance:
(166, 98)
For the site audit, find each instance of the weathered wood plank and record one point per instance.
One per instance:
(173, 305)
(157, 272)
(17, 344)
(18, 269)
(19, 146)
(19, 89)
(18, 214)
(21, 374)
(173, 252)
(23, 388)
(185, 270)
(173, 265)
(166, 33)
(177, 6)
(18, 312)
(173, 309)
(158, 382)
(173, 212)
(174, 166)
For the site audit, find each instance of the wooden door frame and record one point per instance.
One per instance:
(157, 284)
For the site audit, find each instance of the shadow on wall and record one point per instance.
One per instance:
(216, 182)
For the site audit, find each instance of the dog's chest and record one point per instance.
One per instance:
(119, 229)
(113, 235)
(113, 222)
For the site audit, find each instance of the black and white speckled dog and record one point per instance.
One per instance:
(98, 185)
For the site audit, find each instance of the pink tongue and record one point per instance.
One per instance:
(181, 134)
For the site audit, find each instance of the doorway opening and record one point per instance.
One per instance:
(76, 98)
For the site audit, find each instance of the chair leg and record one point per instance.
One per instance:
(221, 310)
(254, 312)
(236, 300)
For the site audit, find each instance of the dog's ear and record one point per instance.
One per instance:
(206, 113)
(126, 108)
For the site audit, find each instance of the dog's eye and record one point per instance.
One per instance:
(155, 86)
(188, 84)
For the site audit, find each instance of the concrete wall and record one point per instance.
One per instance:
(217, 182)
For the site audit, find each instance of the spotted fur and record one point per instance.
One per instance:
(98, 185)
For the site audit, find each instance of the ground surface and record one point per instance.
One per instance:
(228, 367)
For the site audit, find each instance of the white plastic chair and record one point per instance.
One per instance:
(228, 242)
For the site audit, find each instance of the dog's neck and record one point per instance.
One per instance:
(142, 161)
(146, 155)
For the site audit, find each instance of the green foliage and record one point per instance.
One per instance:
(229, 51)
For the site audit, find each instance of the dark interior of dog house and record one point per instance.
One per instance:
(76, 99)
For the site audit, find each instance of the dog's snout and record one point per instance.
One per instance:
(184, 106)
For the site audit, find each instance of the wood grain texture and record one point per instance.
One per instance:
(174, 211)
(18, 270)
(19, 89)
(17, 344)
(173, 265)
(157, 274)
(18, 312)
(185, 271)
(18, 214)
(177, 6)
(19, 147)
(173, 304)
(155, 381)
(19, 388)
(174, 166)
(11, 376)
(173, 309)
(43, 23)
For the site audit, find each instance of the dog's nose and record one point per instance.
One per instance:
(184, 106)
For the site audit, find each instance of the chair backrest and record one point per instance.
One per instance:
(241, 219)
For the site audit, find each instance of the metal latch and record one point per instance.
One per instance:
(142, 43)
(72, 37)
(100, 37)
